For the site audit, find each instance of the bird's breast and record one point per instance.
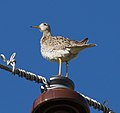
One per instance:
(53, 55)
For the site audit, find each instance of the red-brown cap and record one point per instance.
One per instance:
(60, 100)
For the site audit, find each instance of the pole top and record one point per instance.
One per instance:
(60, 100)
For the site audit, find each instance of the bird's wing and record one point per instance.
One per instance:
(62, 42)
(84, 41)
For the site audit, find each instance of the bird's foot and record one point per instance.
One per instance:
(66, 75)
(59, 75)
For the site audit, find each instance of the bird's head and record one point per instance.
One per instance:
(43, 27)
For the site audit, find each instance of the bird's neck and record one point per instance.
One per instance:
(46, 38)
(47, 33)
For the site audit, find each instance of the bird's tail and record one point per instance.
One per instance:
(88, 45)
(83, 44)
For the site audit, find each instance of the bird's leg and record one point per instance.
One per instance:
(60, 66)
(66, 69)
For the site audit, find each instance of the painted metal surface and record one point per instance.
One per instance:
(60, 100)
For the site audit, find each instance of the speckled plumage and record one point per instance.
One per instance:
(54, 48)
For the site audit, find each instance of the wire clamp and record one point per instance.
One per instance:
(11, 61)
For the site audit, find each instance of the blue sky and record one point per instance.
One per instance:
(95, 72)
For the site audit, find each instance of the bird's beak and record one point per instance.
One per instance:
(35, 27)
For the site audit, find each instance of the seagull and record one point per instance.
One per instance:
(58, 48)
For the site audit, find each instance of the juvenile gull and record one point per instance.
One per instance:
(58, 48)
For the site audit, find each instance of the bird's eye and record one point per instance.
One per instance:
(45, 24)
